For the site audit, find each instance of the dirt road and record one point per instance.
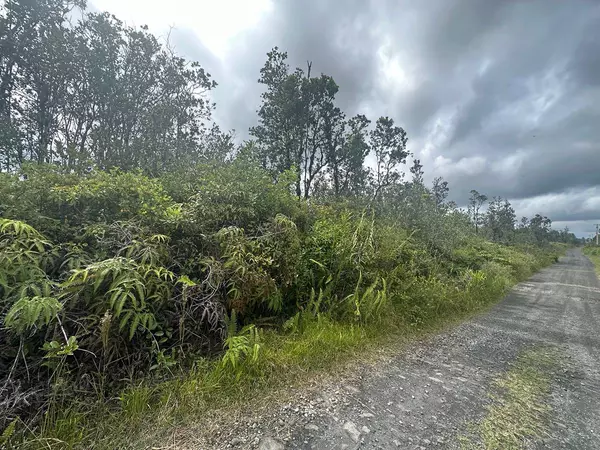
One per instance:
(469, 387)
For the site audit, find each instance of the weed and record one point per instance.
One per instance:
(518, 412)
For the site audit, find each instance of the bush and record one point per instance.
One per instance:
(113, 282)
(237, 194)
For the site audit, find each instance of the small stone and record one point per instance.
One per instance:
(352, 431)
(396, 442)
(366, 415)
(426, 441)
(365, 429)
(311, 427)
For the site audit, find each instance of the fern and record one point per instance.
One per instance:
(367, 305)
(243, 351)
(232, 324)
(25, 258)
(7, 433)
(131, 292)
(28, 313)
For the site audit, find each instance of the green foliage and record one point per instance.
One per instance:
(127, 279)
(593, 252)
(135, 401)
(116, 195)
(96, 92)
(7, 434)
(27, 313)
(133, 293)
(56, 350)
(237, 194)
(242, 351)
(25, 258)
(366, 305)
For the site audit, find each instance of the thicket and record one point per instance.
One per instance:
(106, 280)
(134, 276)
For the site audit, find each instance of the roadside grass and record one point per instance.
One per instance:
(518, 412)
(593, 253)
(152, 410)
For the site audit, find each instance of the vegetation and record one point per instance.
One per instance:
(593, 253)
(519, 411)
(147, 262)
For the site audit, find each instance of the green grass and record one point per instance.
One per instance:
(519, 411)
(593, 253)
(151, 411)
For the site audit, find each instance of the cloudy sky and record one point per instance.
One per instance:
(502, 96)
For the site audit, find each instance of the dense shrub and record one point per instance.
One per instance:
(111, 277)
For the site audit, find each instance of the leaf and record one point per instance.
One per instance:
(125, 319)
(120, 304)
(134, 324)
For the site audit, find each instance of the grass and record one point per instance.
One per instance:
(593, 253)
(152, 411)
(518, 412)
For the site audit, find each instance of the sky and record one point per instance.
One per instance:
(501, 96)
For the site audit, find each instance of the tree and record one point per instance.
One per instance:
(417, 171)
(540, 227)
(476, 201)
(349, 176)
(33, 54)
(95, 91)
(283, 117)
(323, 124)
(500, 220)
(388, 143)
(301, 127)
(440, 191)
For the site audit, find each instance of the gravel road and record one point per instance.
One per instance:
(431, 393)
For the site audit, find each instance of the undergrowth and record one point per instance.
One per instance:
(125, 312)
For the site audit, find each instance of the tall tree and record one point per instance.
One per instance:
(33, 52)
(280, 131)
(540, 227)
(417, 171)
(299, 124)
(94, 91)
(500, 220)
(440, 191)
(348, 173)
(388, 144)
(476, 201)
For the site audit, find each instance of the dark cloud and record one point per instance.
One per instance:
(498, 96)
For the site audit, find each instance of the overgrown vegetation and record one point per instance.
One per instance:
(149, 264)
(593, 252)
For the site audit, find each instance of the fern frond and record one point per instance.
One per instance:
(27, 313)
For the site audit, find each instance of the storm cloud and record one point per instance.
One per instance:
(498, 96)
